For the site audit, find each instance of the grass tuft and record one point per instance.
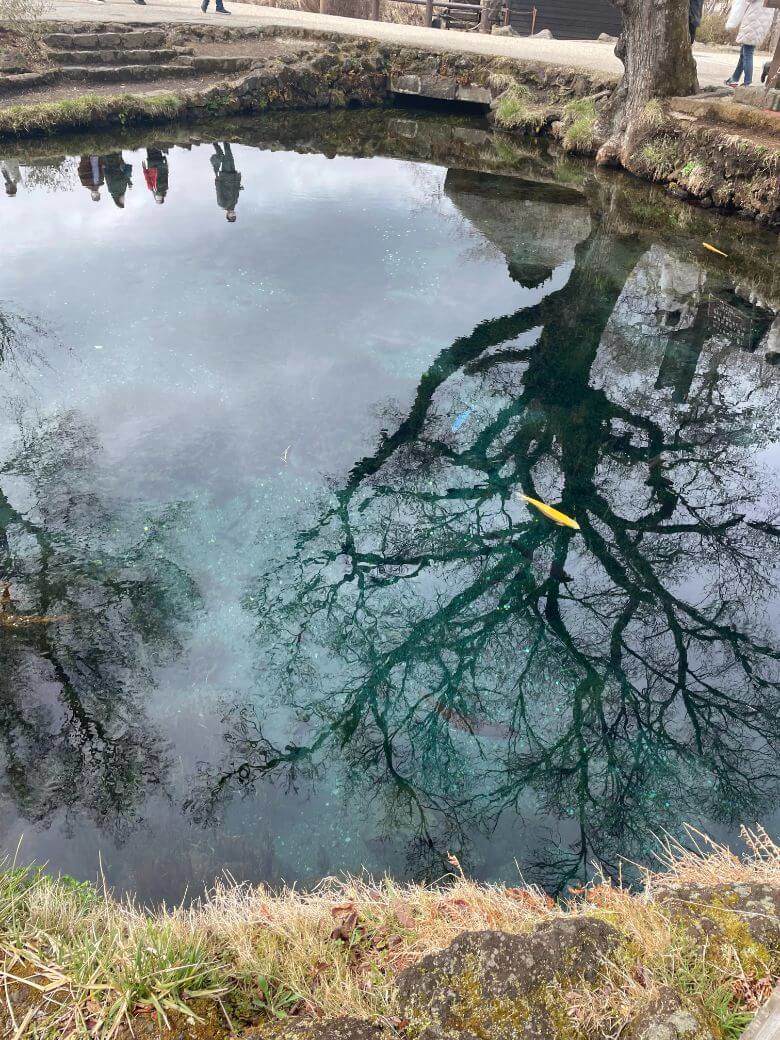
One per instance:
(515, 111)
(580, 118)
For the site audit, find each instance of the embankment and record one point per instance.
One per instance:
(713, 153)
(693, 955)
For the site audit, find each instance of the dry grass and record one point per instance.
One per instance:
(22, 25)
(703, 861)
(81, 959)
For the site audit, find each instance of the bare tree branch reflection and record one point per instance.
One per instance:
(460, 661)
(75, 738)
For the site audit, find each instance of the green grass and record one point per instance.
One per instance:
(662, 157)
(580, 119)
(515, 111)
(88, 110)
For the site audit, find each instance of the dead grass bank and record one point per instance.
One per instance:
(77, 962)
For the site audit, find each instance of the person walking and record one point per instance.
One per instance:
(11, 175)
(752, 21)
(156, 174)
(694, 17)
(227, 180)
(219, 7)
(118, 175)
(92, 175)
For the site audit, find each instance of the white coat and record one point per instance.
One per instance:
(752, 20)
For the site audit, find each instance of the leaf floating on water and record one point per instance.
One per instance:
(460, 419)
(552, 514)
(28, 620)
(714, 249)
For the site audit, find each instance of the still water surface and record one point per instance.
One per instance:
(265, 473)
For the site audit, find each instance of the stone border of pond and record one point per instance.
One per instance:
(710, 152)
(691, 955)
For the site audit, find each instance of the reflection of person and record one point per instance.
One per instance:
(694, 17)
(118, 175)
(752, 21)
(91, 174)
(227, 180)
(156, 174)
(11, 175)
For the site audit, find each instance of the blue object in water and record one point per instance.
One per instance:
(460, 419)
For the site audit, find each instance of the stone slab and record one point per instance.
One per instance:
(475, 95)
(766, 1024)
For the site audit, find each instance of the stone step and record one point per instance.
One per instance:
(25, 81)
(124, 73)
(118, 57)
(136, 39)
(232, 63)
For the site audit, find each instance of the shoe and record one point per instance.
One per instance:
(731, 82)
(219, 9)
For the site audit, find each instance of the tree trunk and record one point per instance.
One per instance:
(655, 48)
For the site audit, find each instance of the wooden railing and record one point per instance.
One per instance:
(483, 11)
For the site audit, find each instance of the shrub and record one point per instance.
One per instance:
(23, 18)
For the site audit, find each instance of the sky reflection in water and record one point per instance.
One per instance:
(310, 626)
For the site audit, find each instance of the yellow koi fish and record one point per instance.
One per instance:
(713, 249)
(552, 514)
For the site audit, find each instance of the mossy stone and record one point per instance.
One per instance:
(495, 984)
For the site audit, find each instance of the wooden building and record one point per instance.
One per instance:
(566, 19)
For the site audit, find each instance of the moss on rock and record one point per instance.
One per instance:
(496, 985)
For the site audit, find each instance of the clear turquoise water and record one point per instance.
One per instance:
(266, 475)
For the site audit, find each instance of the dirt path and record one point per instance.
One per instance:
(714, 65)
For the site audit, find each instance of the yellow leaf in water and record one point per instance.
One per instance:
(714, 249)
(26, 620)
(552, 514)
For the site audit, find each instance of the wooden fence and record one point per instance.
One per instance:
(482, 13)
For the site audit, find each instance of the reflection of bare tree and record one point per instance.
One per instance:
(462, 660)
(15, 331)
(74, 736)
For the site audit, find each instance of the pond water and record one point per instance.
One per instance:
(276, 607)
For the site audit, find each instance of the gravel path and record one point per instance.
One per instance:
(714, 65)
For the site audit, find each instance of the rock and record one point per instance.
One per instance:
(327, 1029)
(492, 983)
(606, 38)
(440, 87)
(406, 84)
(12, 60)
(716, 91)
(741, 913)
(503, 30)
(666, 1018)
(771, 343)
(544, 34)
(765, 1024)
(475, 95)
